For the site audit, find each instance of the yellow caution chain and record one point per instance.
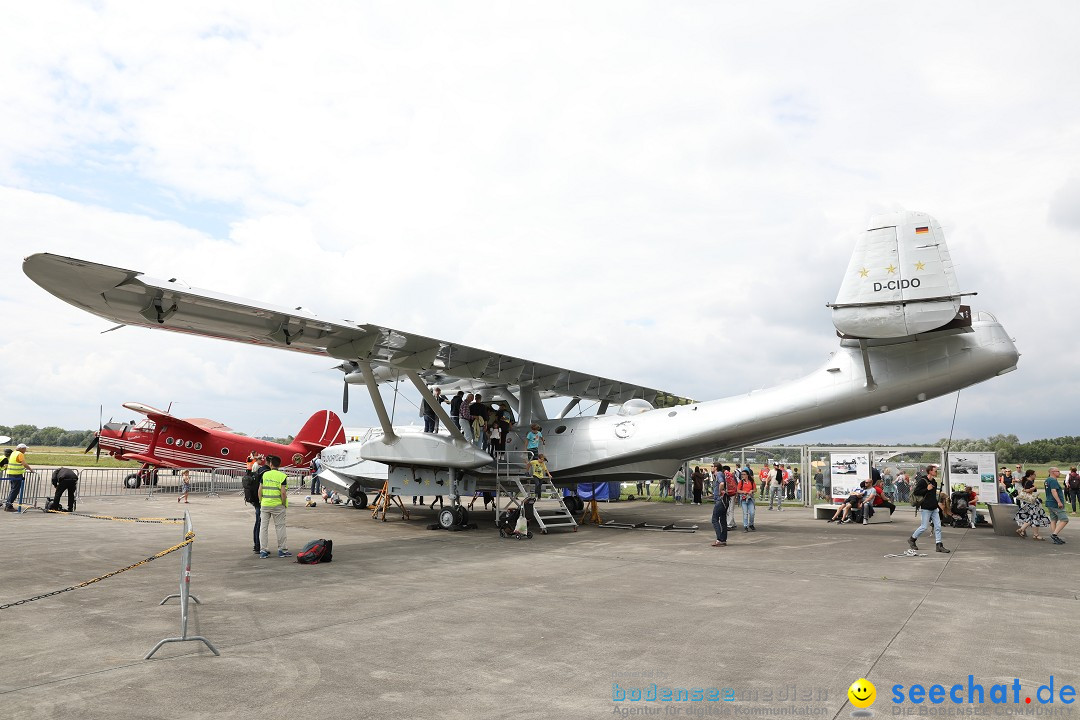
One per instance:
(120, 518)
(188, 539)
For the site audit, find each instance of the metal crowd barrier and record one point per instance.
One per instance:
(184, 594)
(119, 482)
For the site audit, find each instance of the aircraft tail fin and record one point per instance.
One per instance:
(900, 280)
(322, 429)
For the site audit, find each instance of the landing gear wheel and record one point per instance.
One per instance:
(132, 481)
(459, 514)
(447, 518)
(464, 515)
(576, 504)
(360, 501)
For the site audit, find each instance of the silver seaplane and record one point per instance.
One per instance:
(905, 336)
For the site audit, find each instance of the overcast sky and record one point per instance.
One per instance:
(663, 193)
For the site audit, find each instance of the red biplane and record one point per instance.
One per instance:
(164, 440)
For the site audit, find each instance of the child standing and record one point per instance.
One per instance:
(185, 486)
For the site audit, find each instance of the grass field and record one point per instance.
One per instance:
(72, 457)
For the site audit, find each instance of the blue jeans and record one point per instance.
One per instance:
(749, 509)
(927, 517)
(258, 524)
(15, 483)
(430, 423)
(719, 518)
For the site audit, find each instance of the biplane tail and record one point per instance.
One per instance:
(322, 429)
(900, 280)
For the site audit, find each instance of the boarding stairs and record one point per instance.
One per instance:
(514, 482)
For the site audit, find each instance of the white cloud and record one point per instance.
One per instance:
(668, 193)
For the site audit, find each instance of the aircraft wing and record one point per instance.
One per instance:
(160, 416)
(156, 461)
(129, 297)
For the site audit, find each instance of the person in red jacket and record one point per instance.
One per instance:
(746, 500)
(879, 497)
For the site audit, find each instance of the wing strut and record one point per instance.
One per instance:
(376, 400)
(870, 384)
(455, 431)
(569, 406)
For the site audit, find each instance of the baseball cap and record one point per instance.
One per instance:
(21, 446)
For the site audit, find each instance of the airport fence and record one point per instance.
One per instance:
(120, 482)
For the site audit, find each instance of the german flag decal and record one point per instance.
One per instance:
(921, 230)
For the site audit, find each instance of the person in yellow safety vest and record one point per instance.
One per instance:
(273, 501)
(15, 470)
(539, 469)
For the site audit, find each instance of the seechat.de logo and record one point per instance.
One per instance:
(862, 693)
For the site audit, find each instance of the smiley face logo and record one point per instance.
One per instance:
(862, 693)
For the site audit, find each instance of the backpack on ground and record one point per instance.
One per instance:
(315, 552)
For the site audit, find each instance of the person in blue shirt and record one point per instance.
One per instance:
(1055, 505)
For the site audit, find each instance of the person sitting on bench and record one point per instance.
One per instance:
(854, 501)
(879, 499)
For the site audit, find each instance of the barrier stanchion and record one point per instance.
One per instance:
(184, 594)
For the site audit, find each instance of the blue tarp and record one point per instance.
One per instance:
(602, 490)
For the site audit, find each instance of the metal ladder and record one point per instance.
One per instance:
(512, 480)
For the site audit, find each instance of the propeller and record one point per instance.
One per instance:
(348, 368)
(96, 442)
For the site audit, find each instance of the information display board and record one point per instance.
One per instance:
(977, 469)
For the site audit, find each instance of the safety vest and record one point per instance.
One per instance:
(15, 467)
(272, 481)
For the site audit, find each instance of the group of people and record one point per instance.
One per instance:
(728, 489)
(864, 500)
(265, 488)
(13, 468)
(487, 427)
(1031, 512)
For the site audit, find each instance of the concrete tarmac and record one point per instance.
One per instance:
(411, 623)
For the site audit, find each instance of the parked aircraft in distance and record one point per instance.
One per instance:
(905, 337)
(164, 440)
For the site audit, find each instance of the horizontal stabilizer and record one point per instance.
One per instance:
(900, 280)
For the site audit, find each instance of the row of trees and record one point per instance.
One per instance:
(52, 436)
(1009, 449)
(59, 437)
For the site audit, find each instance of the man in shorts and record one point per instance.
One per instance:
(1055, 505)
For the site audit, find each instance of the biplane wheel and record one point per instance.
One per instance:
(132, 481)
(447, 518)
(464, 512)
(360, 501)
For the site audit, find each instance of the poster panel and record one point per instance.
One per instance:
(847, 470)
(977, 469)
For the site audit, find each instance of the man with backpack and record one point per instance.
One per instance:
(257, 466)
(925, 497)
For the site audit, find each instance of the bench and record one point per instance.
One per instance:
(1003, 518)
(824, 512)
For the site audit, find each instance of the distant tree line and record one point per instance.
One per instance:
(58, 437)
(1009, 449)
(53, 436)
